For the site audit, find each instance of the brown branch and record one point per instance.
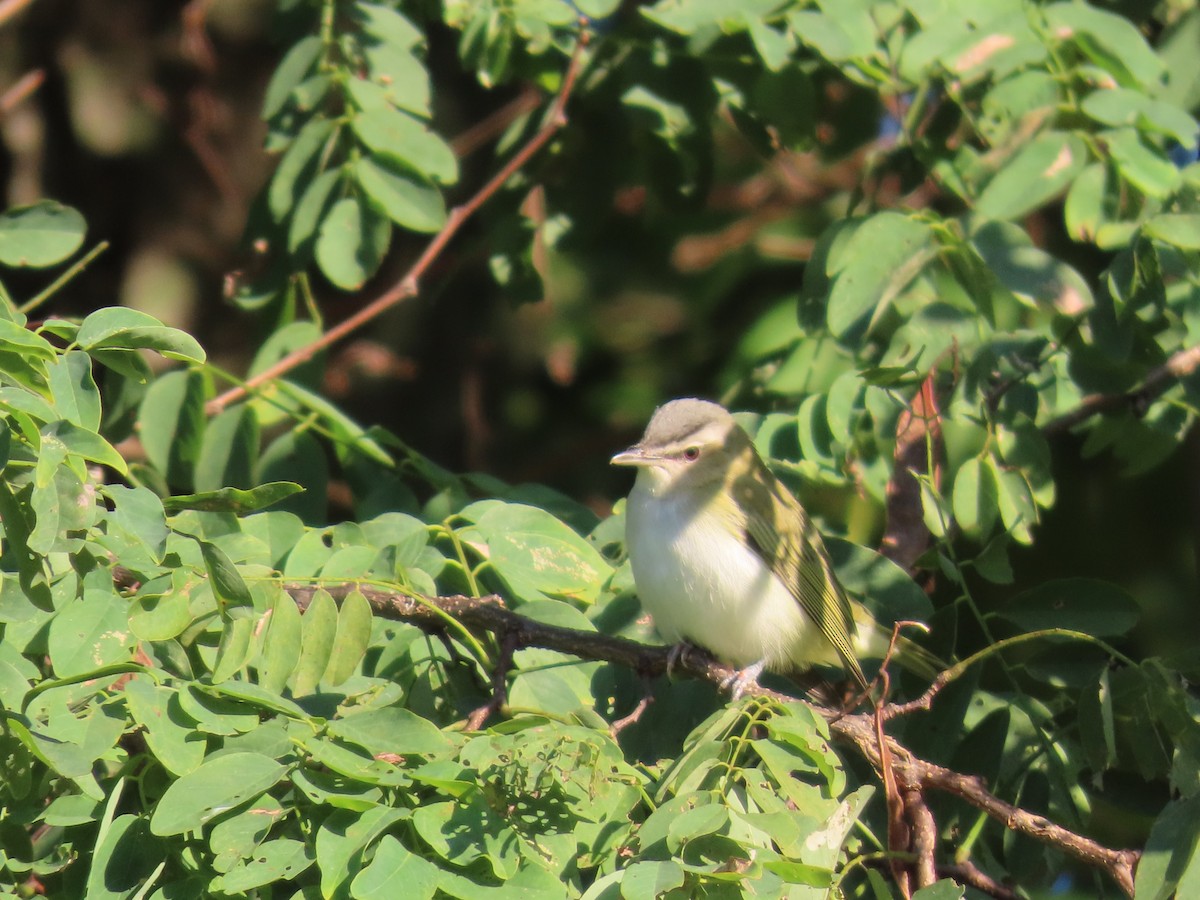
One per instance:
(408, 285)
(857, 730)
(1181, 364)
(924, 830)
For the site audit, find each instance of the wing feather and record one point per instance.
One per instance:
(777, 528)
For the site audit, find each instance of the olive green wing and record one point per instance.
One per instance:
(781, 533)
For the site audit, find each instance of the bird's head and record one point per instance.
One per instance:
(689, 445)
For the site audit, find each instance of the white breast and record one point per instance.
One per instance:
(702, 584)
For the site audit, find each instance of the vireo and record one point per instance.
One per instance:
(724, 555)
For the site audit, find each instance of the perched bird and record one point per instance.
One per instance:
(724, 555)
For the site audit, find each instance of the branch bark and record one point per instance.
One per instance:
(914, 776)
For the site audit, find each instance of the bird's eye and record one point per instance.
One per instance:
(691, 454)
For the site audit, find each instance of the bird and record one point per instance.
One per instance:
(724, 556)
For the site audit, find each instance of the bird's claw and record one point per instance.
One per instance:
(744, 680)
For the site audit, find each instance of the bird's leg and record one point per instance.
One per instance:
(744, 679)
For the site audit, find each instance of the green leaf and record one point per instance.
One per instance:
(649, 880)
(1036, 174)
(1109, 40)
(391, 730)
(281, 645)
(1178, 229)
(341, 839)
(884, 254)
(90, 633)
(316, 644)
(401, 74)
(234, 650)
(40, 235)
(227, 583)
(279, 860)
(228, 450)
(399, 137)
(170, 734)
(234, 500)
(387, 25)
(1119, 106)
(352, 243)
(1079, 604)
(405, 199)
(75, 393)
(125, 861)
(171, 421)
(396, 872)
(292, 69)
(121, 328)
(1170, 857)
(350, 642)
(1145, 168)
(300, 163)
(85, 443)
(536, 554)
(975, 499)
(306, 219)
(219, 784)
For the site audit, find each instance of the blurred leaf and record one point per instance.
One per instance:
(885, 253)
(1079, 604)
(234, 500)
(1037, 173)
(40, 235)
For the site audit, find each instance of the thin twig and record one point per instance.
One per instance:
(1180, 365)
(16, 93)
(408, 285)
(78, 266)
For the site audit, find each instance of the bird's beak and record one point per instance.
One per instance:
(634, 456)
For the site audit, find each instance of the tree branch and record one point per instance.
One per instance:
(408, 285)
(857, 730)
(1180, 365)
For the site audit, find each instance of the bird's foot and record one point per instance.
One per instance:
(677, 653)
(744, 679)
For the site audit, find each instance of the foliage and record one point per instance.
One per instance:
(174, 727)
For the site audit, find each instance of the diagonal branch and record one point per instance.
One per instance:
(409, 284)
(857, 730)
(1181, 364)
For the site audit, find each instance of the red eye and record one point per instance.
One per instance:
(691, 454)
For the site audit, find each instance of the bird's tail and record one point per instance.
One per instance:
(916, 659)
